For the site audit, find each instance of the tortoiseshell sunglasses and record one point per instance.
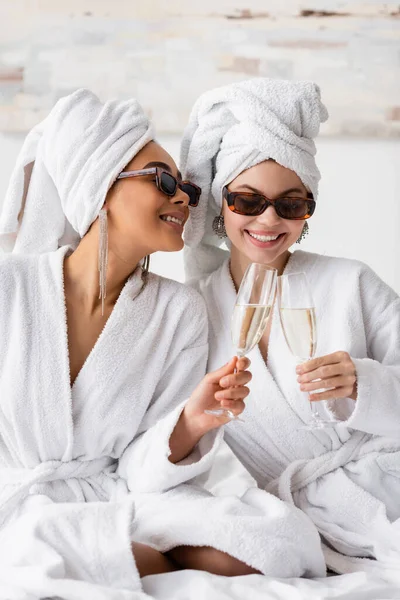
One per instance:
(252, 205)
(167, 183)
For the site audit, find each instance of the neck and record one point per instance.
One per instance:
(239, 263)
(81, 274)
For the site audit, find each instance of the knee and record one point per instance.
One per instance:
(149, 561)
(205, 558)
(232, 567)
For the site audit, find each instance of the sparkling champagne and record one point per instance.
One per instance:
(248, 325)
(299, 328)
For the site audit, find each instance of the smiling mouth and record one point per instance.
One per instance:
(264, 238)
(170, 219)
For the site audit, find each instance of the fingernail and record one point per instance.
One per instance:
(223, 381)
(298, 369)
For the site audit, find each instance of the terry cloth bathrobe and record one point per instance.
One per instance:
(84, 470)
(347, 479)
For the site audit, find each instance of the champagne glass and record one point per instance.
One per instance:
(253, 307)
(297, 316)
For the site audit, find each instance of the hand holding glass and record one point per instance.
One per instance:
(297, 315)
(251, 313)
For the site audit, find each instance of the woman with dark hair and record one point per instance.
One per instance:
(101, 422)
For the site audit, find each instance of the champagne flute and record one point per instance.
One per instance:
(297, 316)
(251, 313)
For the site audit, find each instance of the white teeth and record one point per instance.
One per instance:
(172, 219)
(263, 238)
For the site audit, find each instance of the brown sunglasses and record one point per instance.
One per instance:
(252, 205)
(167, 183)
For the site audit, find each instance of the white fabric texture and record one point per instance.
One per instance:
(197, 585)
(345, 478)
(62, 445)
(257, 528)
(69, 551)
(233, 128)
(71, 455)
(65, 168)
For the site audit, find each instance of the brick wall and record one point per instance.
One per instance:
(167, 53)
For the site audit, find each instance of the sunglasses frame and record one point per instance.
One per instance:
(158, 171)
(230, 199)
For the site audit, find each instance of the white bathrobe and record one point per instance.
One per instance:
(347, 479)
(69, 456)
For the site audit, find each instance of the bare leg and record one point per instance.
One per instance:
(150, 561)
(208, 559)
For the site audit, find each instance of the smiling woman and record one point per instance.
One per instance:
(266, 222)
(250, 147)
(103, 397)
(151, 179)
(169, 185)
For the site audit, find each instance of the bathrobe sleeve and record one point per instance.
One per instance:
(145, 464)
(377, 409)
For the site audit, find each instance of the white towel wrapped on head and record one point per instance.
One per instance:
(65, 169)
(236, 127)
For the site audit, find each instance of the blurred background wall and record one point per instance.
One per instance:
(167, 53)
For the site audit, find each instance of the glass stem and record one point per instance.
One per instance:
(314, 408)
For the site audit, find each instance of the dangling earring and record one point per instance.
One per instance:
(304, 233)
(103, 256)
(146, 266)
(219, 227)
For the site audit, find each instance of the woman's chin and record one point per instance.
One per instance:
(173, 246)
(263, 256)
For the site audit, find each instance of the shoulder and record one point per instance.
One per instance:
(15, 268)
(348, 275)
(29, 273)
(13, 262)
(332, 264)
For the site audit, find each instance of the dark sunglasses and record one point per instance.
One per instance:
(167, 183)
(252, 205)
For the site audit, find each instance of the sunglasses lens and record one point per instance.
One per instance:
(192, 191)
(168, 184)
(293, 208)
(249, 204)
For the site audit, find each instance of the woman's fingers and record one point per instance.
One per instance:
(340, 392)
(240, 378)
(324, 372)
(243, 363)
(335, 373)
(236, 406)
(321, 361)
(233, 393)
(215, 376)
(333, 382)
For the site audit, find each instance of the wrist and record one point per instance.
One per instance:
(197, 425)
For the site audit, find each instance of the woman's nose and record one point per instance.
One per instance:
(180, 197)
(269, 217)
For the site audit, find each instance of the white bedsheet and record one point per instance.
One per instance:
(194, 585)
